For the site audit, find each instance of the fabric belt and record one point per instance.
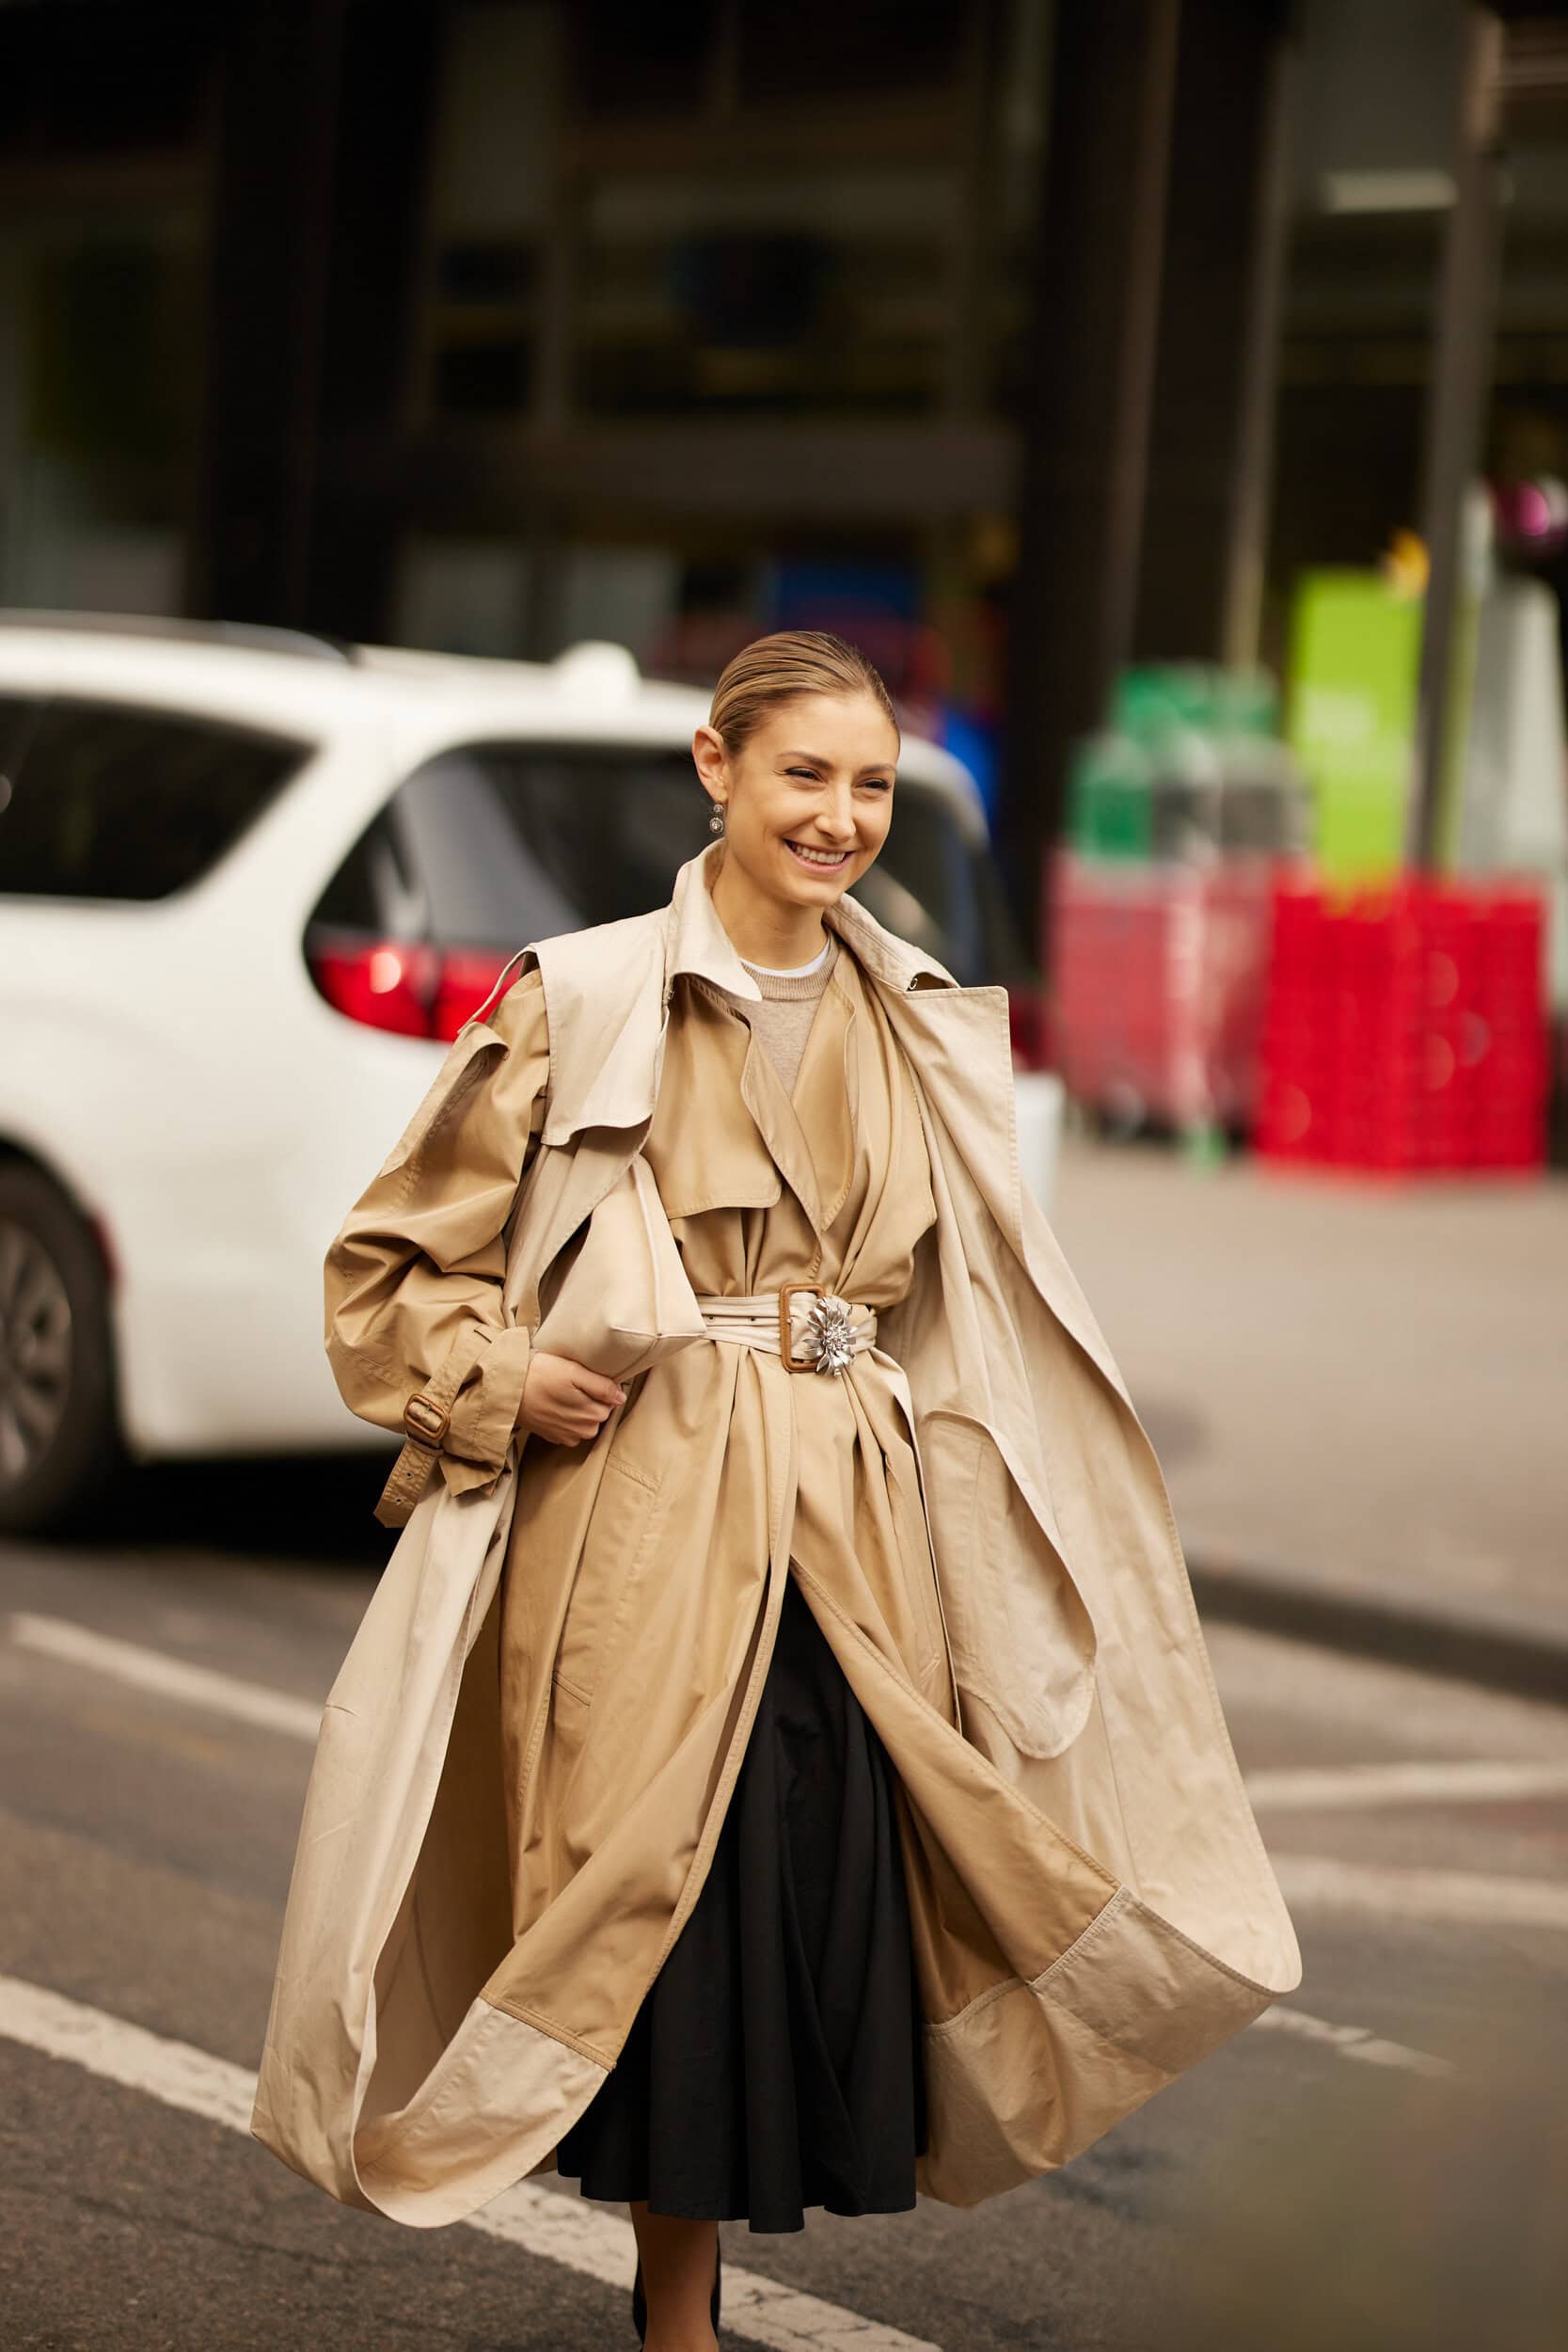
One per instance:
(809, 1325)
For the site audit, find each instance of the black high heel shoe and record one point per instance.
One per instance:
(639, 2301)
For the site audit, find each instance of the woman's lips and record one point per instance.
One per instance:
(825, 864)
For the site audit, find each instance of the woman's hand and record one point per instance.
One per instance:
(562, 1401)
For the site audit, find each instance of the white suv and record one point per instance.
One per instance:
(249, 885)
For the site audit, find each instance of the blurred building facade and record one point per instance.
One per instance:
(1013, 338)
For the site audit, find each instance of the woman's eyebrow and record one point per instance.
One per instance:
(817, 761)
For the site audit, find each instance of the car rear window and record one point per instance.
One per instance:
(498, 843)
(103, 802)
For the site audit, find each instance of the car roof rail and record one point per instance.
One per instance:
(242, 636)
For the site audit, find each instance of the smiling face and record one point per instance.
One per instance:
(807, 801)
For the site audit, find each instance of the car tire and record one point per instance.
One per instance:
(59, 1423)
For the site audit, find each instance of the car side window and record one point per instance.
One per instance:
(495, 843)
(106, 802)
(376, 887)
(16, 713)
(608, 824)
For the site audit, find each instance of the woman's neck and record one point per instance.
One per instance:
(762, 930)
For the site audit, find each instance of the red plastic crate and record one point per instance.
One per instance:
(1158, 973)
(1405, 1030)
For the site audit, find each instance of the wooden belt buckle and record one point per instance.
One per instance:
(786, 1291)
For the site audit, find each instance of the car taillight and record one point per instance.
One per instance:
(1029, 1020)
(405, 985)
(465, 977)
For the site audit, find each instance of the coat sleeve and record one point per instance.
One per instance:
(413, 1279)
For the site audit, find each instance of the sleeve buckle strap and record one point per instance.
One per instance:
(426, 1418)
(427, 1421)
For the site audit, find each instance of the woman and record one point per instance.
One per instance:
(753, 1790)
(775, 2062)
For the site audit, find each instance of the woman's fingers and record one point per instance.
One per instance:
(561, 1431)
(566, 1402)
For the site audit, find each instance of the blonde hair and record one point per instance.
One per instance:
(774, 670)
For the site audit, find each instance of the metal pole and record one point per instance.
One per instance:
(1462, 366)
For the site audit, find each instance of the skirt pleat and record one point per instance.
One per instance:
(775, 2061)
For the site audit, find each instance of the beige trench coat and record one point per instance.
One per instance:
(471, 1926)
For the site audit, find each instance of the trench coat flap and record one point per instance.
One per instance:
(623, 1301)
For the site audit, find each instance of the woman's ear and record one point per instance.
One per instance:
(707, 750)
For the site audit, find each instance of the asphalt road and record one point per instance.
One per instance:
(1381, 2160)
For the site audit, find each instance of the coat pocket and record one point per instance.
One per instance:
(614, 1550)
(901, 1477)
(1023, 1641)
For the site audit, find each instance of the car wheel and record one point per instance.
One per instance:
(59, 1437)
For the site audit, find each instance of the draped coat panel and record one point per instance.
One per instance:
(525, 1760)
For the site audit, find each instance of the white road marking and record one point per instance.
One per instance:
(1470, 1897)
(1467, 1781)
(554, 2224)
(1352, 2042)
(166, 1677)
(567, 2228)
(1330, 1787)
(1428, 1894)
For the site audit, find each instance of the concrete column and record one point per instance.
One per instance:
(320, 154)
(1085, 429)
(271, 205)
(1205, 513)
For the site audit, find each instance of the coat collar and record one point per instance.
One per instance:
(697, 942)
(606, 1008)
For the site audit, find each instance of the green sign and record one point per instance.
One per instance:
(1351, 714)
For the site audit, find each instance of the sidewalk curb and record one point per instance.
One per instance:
(1503, 1652)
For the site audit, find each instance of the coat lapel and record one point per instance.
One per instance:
(608, 994)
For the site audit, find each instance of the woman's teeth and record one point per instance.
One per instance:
(818, 857)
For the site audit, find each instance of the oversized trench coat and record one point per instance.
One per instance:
(1092, 1907)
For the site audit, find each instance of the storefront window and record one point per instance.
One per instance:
(779, 294)
(762, 212)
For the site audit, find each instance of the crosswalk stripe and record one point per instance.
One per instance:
(166, 1677)
(1467, 1897)
(1351, 2042)
(552, 2224)
(1306, 1878)
(1466, 1780)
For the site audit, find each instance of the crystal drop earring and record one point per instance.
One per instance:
(715, 821)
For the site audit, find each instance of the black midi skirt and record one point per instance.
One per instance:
(775, 2061)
